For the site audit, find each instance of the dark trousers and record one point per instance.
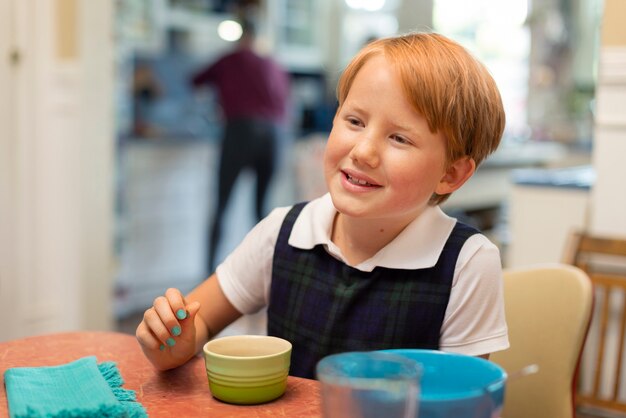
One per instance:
(246, 143)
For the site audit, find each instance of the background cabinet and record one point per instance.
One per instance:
(546, 206)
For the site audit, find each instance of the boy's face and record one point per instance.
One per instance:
(381, 160)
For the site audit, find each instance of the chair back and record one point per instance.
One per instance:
(548, 310)
(604, 260)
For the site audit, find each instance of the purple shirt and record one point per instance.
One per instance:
(249, 85)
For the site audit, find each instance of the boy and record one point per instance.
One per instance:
(375, 263)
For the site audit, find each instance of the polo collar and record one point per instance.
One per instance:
(417, 246)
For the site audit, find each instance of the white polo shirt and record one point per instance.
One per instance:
(474, 322)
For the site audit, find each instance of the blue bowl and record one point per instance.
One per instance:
(455, 385)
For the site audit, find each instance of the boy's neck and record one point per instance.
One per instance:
(360, 239)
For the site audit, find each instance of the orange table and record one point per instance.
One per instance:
(183, 392)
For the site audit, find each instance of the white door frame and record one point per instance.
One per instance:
(7, 170)
(56, 167)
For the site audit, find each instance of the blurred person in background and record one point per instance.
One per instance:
(252, 92)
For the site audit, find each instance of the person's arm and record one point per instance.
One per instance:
(175, 328)
(475, 322)
(215, 314)
(205, 76)
(245, 275)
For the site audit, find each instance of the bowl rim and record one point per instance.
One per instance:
(208, 352)
(326, 372)
(497, 385)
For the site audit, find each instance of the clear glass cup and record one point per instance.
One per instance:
(369, 385)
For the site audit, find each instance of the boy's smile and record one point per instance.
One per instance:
(381, 161)
(358, 181)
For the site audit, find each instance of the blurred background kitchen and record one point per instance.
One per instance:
(108, 158)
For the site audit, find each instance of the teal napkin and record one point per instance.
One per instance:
(82, 388)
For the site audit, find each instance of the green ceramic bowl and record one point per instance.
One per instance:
(247, 369)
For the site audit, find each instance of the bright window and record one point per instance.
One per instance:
(494, 31)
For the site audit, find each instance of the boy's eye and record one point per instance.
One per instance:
(354, 121)
(400, 139)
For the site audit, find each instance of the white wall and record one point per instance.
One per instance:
(608, 209)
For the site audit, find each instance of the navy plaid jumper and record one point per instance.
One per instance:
(324, 306)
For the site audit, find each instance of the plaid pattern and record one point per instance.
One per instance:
(324, 306)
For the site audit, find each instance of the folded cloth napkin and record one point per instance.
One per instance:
(82, 388)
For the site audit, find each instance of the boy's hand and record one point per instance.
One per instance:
(167, 333)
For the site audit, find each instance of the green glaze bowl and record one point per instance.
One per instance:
(247, 369)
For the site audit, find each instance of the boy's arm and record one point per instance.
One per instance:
(175, 328)
(216, 312)
(475, 321)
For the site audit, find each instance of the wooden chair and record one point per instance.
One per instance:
(604, 261)
(548, 310)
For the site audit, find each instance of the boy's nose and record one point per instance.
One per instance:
(366, 151)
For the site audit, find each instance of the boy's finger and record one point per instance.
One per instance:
(177, 303)
(146, 338)
(155, 324)
(192, 309)
(164, 310)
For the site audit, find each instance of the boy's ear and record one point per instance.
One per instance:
(456, 175)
